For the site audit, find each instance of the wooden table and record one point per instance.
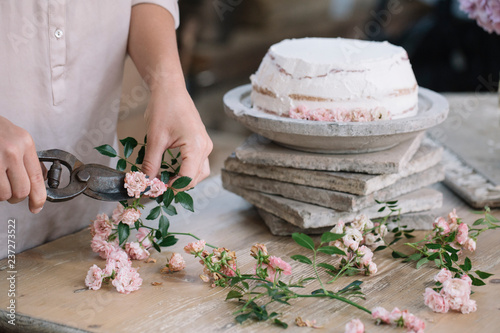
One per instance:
(51, 295)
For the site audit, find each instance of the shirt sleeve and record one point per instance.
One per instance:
(170, 5)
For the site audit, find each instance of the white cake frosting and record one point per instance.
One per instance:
(335, 79)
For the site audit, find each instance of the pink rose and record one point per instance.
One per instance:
(130, 215)
(135, 183)
(435, 301)
(354, 326)
(270, 271)
(382, 314)
(100, 245)
(395, 315)
(453, 220)
(462, 234)
(470, 245)
(142, 237)
(372, 268)
(443, 225)
(467, 279)
(157, 187)
(418, 326)
(195, 247)
(116, 260)
(352, 238)
(443, 275)
(94, 278)
(365, 255)
(469, 306)
(408, 318)
(127, 280)
(456, 288)
(117, 213)
(279, 264)
(229, 271)
(135, 251)
(339, 227)
(176, 263)
(101, 225)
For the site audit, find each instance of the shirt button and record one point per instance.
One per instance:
(58, 33)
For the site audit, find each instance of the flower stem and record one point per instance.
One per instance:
(340, 298)
(190, 234)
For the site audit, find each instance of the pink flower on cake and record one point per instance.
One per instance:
(176, 263)
(143, 237)
(157, 188)
(127, 280)
(462, 234)
(435, 301)
(381, 314)
(279, 264)
(135, 183)
(101, 226)
(345, 116)
(443, 275)
(94, 278)
(117, 213)
(195, 247)
(355, 326)
(321, 114)
(135, 251)
(130, 215)
(380, 113)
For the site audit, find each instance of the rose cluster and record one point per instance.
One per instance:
(219, 266)
(360, 234)
(451, 293)
(268, 267)
(486, 13)
(339, 115)
(460, 230)
(399, 318)
(136, 183)
(118, 270)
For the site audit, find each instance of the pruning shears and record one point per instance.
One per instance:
(94, 180)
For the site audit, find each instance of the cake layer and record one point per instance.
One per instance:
(335, 79)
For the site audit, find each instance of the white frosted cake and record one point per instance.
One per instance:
(335, 79)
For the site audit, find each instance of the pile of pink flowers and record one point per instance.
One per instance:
(118, 270)
(396, 317)
(452, 294)
(360, 234)
(486, 13)
(339, 115)
(454, 224)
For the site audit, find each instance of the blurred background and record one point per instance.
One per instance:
(221, 43)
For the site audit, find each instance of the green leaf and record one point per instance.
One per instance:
(392, 202)
(483, 275)
(128, 146)
(478, 221)
(380, 248)
(185, 200)
(396, 254)
(134, 168)
(168, 197)
(163, 225)
(233, 294)
(302, 259)
(415, 256)
(121, 165)
(328, 237)
(123, 232)
(242, 317)
(153, 214)
(381, 209)
(280, 323)
(303, 240)
(137, 225)
(165, 177)
(327, 266)
(421, 262)
(181, 182)
(168, 241)
(140, 155)
(156, 247)
(128, 139)
(170, 210)
(467, 264)
(106, 150)
(477, 282)
(433, 256)
(433, 246)
(331, 250)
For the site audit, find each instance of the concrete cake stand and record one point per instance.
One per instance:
(333, 137)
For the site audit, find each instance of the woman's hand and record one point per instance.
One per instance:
(21, 174)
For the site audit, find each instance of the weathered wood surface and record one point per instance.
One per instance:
(51, 295)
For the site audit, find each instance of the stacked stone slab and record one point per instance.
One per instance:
(310, 192)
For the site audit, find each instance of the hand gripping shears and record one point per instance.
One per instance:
(96, 181)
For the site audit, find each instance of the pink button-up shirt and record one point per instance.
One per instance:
(61, 68)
